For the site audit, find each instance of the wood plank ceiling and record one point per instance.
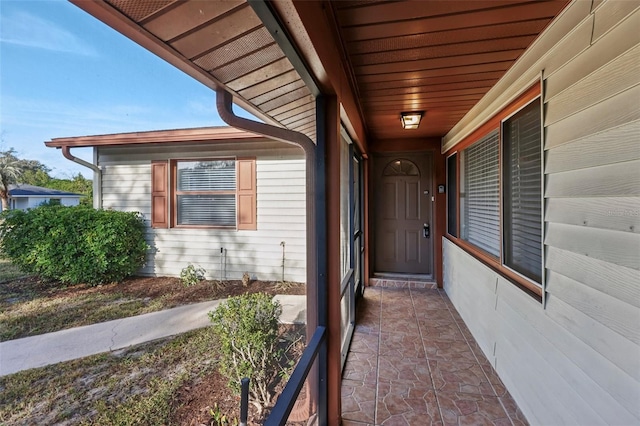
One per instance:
(439, 57)
(436, 56)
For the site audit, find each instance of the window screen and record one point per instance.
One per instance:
(480, 194)
(523, 192)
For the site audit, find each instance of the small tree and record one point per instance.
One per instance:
(247, 327)
(10, 172)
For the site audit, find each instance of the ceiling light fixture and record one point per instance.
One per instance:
(411, 120)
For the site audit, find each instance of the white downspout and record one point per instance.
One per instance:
(97, 175)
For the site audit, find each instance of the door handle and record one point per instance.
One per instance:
(426, 231)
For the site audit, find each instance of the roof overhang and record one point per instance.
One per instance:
(379, 58)
(196, 135)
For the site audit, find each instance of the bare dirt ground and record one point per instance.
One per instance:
(169, 289)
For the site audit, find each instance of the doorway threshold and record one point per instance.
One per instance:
(397, 280)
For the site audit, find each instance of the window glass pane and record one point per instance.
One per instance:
(217, 210)
(206, 175)
(523, 192)
(452, 195)
(346, 235)
(401, 168)
(480, 194)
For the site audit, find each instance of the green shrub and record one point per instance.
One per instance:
(74, 244)
(190, 275)
(247, 327)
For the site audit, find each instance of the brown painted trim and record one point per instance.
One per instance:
(311, 27)
(332, 206)
(246, 199)
(495, 121)
(197, 135)
(494, 263)
(159, 194)
(366, 227)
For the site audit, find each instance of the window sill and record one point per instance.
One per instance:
(228, 228)
(524, 284)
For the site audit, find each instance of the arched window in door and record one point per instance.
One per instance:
(401, 167)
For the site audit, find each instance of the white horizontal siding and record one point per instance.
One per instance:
(559, 364)
(575, 359)
(281, 217)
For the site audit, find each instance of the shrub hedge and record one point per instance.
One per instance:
(247, 328)
(74, 244)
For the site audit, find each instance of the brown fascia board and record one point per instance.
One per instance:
(204, 134)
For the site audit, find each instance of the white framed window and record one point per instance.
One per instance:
(209, 193)
(205, 193)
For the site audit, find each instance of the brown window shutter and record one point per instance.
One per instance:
(246, 183)
(159, 194)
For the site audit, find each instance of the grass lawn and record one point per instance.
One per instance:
(173, 381)
(135, 387)
(8, 271)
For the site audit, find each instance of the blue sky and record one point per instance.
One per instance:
(64, 73)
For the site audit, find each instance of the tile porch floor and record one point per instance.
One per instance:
(413, 361)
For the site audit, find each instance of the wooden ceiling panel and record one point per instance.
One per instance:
(424, 105)
(192, 15)
(253, 77)
(437, 56)
(439, 38)
(285, 99)
(443, 51)
(439, 94)
(253, 60)
(297, 110)
(426, 88)
(282, 90)
(138, 10)
(408, 11)
(500, 67)
(240, 21)
(440, 80)
(249, 43)
(272, 83)
(299, 120)
(439, 63)
(478, 18)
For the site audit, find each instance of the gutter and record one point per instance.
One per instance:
(97, 175)
(224, 104)
(315, 235)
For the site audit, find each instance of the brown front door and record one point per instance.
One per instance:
(403, 228)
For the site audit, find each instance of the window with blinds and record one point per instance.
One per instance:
(452, 195)
(522, 179)
(480, 194)
(206, 193)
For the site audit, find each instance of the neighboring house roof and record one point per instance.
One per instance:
(194, 135)
(22, 190)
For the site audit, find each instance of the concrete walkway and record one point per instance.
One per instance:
(65, 345)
